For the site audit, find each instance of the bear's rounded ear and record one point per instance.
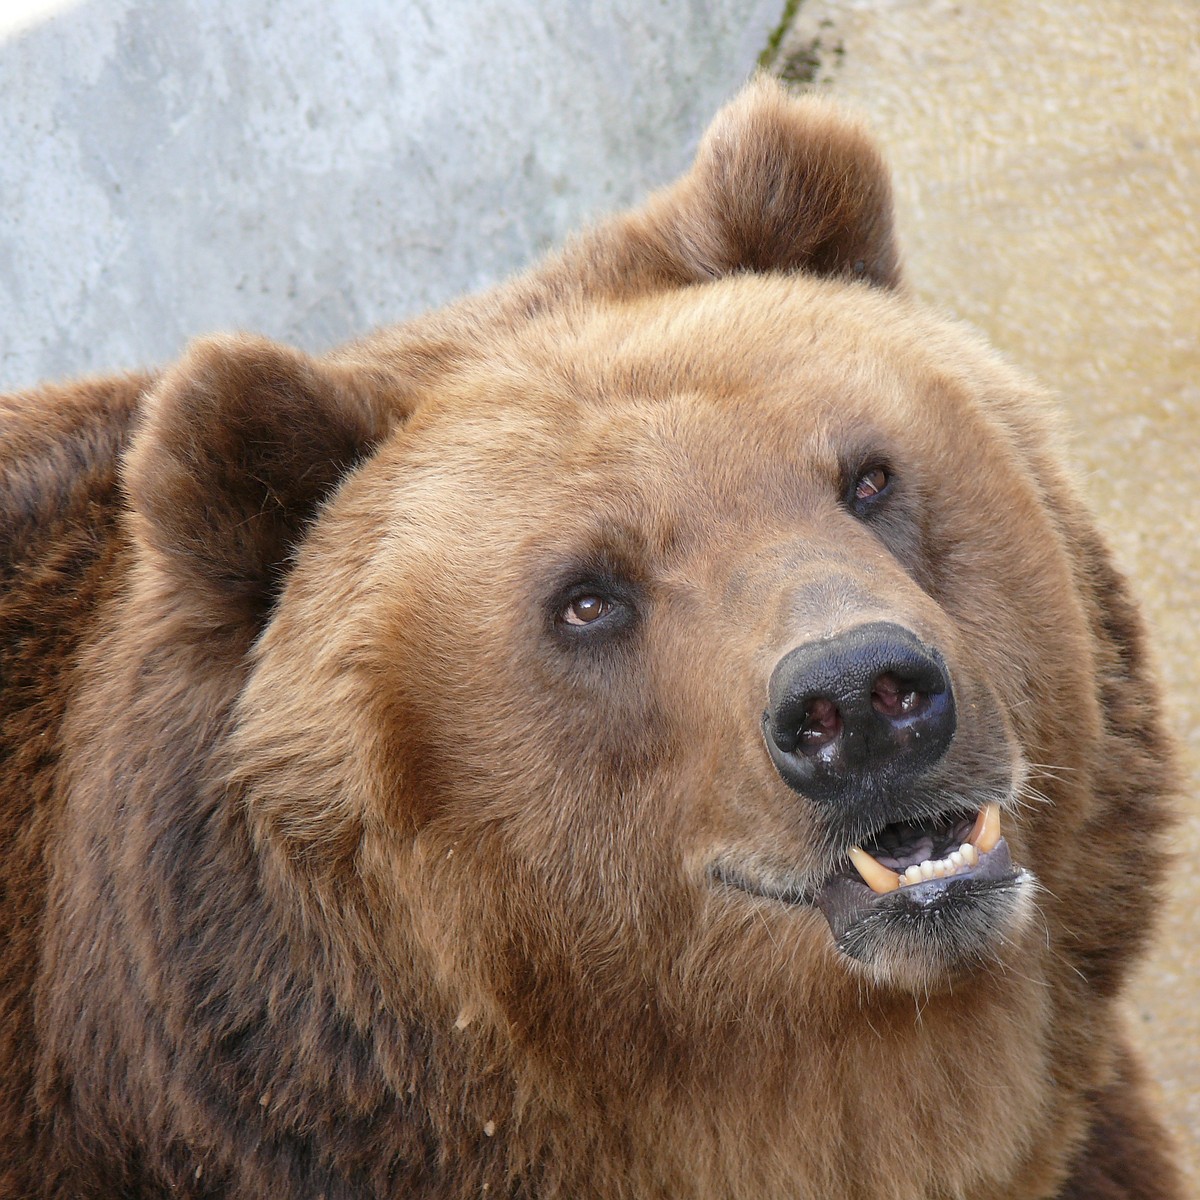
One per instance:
(789, 184)
(239, 445)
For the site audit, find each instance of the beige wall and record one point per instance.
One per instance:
(1048, 175)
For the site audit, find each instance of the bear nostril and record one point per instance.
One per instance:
(895, 698)
(822, 724)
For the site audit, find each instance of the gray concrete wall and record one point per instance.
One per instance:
(311, 168)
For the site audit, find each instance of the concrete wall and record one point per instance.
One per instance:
(309, 169)
(1047, 161)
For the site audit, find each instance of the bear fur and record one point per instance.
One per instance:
(385, 803)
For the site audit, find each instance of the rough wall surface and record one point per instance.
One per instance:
(1047, 158)
(309, 170)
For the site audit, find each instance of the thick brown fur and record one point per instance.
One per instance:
(336, 864)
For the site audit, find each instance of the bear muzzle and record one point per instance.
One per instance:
(858, 724)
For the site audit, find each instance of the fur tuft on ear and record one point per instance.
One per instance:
(240, 444)
(787, 184)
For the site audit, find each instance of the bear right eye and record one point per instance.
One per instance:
(588, 613)
(585, 609)
(596, 600)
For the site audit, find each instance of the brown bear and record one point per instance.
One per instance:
(666, 727)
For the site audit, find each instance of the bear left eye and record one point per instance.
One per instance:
(871, 483)
(583, 610)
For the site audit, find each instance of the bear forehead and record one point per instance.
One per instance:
(747, 375)
(678, 422)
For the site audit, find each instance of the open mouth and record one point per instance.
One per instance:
(935, 892)
(906, 854)
(907, 868)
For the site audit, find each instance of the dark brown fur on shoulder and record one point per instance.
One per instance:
(525, 752)
(59, 543)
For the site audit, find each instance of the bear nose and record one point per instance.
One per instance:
(871, 708)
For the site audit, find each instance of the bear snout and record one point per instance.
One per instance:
(871, 708)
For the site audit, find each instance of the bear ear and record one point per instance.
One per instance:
(240, 444)
(787, 184)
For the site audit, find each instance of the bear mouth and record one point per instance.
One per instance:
(911, 869)
(943, 887)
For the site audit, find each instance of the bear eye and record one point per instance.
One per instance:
(871, 483)
(594, 604)
(583, 610)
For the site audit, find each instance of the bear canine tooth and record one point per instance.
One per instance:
(986, 831)
(874, 874)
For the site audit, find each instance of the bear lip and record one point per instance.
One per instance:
(846, 900)
(905, 853)
(788, 893)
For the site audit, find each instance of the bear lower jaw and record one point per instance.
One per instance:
(924, 919)
(943, 898)
(951, 918)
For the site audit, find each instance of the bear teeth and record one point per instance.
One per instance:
(874, 874)
(986, 831)
(984, 836)
(954, 863)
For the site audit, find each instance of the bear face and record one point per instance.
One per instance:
(703, 562)
(583, 796)
(495, 757)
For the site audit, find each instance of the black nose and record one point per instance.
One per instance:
(867, 710)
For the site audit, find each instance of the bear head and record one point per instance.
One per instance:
(687, 670)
